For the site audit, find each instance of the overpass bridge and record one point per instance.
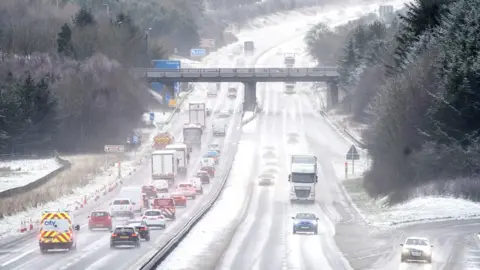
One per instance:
(248, 76)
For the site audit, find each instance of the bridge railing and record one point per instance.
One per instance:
(235, 72)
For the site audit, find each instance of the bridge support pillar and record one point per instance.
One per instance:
(250, 96)
(332, 94)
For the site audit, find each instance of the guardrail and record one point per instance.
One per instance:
(235, 72)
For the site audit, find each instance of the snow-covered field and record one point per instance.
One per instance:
(17, 173)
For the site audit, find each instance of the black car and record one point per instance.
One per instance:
(124, 236)
(141, 227)
(204, 177)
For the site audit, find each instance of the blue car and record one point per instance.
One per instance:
(305, 222)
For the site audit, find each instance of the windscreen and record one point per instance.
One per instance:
(417, 242)
(121, 202)
(134, 223)
(305, 216)
(124, 230)
(304, 159)
(153, 213)
(100, 214)
(185, 186)
(160, 202)
(303, 178)
(58, 225)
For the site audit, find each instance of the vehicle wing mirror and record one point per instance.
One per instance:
(317, 218)
(289, 177)
(293, 217)
(401, 245)
(431, 245)
(77, 227)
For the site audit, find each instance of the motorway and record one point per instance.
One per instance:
(264, 239)
(93, 251)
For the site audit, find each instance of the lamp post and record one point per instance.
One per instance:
(147, 32)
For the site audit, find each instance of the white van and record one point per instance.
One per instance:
(212, 92)
(207, 162)
(135, 194)
(197, 183)
(219, 128)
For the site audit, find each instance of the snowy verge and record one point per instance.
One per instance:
(203, 246)
(18, 173)
(249, 116)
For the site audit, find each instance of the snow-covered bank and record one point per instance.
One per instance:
(18, 173)
(204, 244)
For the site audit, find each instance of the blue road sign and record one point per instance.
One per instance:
(198, 52)
(159, 87)
(135, 139)
(152, 116)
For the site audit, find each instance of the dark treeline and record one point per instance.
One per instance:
(414, 82)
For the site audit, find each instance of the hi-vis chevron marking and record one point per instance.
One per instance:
(168, 211)
(56, 215)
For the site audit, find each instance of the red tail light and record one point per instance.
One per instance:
(143, 229)
(134, 234)
(114, 235)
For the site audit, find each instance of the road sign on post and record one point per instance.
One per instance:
(114, 148)
(152, 116)
(198, 52)
(207, 43)
(353, 155)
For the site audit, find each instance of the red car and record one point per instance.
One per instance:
(204, 177)
(100, 220)
(179, 200)
(209, 169)
(150, 191)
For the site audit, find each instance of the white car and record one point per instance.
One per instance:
(224, 114)
(214, 147)
(161, 186)
(122, 207)
(154, 218)
(266, 179)
(416, 249)
(197, 184)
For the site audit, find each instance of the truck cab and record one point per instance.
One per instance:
(303, 178)
(289, 60)
(181, 154)
(289, 88)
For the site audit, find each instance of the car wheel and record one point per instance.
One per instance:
(112, 246)
(429, 260)
(315, 231)
(294, 231)
(110, 228)
(43, 250)
(90, 228)
(132, 216)
(174, 217)
(137, 244)
(147, 238)
(193, 197)
(402, 259)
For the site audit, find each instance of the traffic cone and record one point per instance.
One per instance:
(22, 227)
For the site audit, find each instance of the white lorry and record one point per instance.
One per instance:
(164, 165)
(303, 178)
(197, 114)
(181, 152)
(219, 127)
(192, 136)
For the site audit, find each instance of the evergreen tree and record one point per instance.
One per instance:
(421, 15)
(457, 112)
(83, 18)
(64, 41)
(360, 39)
(348, 63)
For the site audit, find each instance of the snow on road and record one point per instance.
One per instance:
(208, 236)
(17, 173)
